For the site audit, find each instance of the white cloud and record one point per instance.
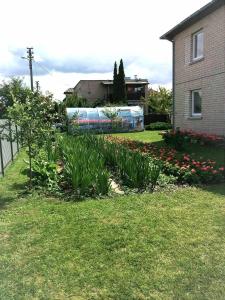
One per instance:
(75, 37)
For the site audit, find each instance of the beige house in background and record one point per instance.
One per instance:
(102, 90)
(199, 70)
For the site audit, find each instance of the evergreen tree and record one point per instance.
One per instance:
(115, 83)
(121, 83)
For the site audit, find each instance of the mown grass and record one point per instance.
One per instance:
(197, 151)
(144, 136)
(151, 246)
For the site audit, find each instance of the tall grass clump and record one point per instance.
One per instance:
(136, 170)
(133, 168)
(84, 167)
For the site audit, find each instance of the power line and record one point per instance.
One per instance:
(43, 67)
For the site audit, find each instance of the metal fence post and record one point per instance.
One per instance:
(17, 139)
(1, 156)
(10, 137)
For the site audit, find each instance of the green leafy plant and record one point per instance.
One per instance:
(74, 101)
(165, 180)
(134, 169)
(172, 162)
(160, 101)
(10, 89)
(201, 138)
(84, 168)
(34, 117)
(158, 126)
(45, 173)
(176, 139)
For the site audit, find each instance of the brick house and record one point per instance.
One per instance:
(102, 90)
(199, 70)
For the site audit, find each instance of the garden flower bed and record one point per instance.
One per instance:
(85, 165)
(180, 138)
(183, 166)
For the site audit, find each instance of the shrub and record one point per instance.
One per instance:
(176, 139)
(158, 126)
(204, 138)
(165, 180)
(45, 172)
(181, 138)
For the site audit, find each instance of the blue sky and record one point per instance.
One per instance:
(75, 39)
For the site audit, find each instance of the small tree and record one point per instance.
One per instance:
(160, 101)
(34, 118)
(15, 87)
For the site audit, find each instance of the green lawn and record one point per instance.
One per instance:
(197, 151)
(151, 246)
(144, 136)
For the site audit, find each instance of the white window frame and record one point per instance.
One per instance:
(193, 114)
(194, 45)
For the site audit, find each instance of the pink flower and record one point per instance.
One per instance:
(204, 169)
(186, 157)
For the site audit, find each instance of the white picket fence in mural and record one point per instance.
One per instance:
(8, 149)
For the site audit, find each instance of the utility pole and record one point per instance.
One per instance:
(30, 58)
(37, 86)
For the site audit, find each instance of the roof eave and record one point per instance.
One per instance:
(196, 16)
(132, 83)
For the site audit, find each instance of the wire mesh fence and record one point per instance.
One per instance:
(8, 147)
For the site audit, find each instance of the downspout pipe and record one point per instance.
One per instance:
(173, 83)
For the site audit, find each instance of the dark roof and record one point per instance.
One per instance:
(69, 91)
(199, 14)
(128, 81)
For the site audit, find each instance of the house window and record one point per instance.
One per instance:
(198, 45)
(196, 103)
